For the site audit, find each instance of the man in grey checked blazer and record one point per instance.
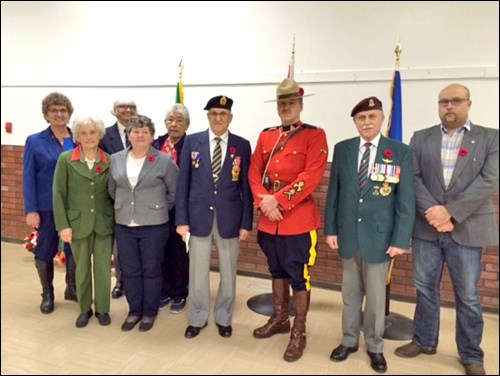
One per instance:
(456, 173)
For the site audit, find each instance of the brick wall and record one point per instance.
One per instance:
(326, 273)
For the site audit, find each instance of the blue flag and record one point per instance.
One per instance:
(395, 127)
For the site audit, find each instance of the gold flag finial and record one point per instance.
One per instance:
(398, 51)
(181, 67)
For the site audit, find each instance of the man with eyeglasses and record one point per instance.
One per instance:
(116, 140)
(213, 204)
(456, 174)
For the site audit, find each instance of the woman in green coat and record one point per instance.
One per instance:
(83, 213)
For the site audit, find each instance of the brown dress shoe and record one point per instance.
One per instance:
(411, 350)
(474, 369)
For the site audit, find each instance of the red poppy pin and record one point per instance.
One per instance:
(232, 150)
(99, 169)
(388, 153)
(151, 158)
(463, 152)
(301, 91)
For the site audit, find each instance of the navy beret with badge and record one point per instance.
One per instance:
(367, 104)
(220, 101)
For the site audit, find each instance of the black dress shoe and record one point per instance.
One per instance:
(146, 324)
(378, 362)
(193, 331)
(103, 318)
(117, 291)
(129, 323)
(341, 353)
(83, 319)
(225, 331)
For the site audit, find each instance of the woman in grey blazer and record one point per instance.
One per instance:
(142, 182)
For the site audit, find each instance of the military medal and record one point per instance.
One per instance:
(386, 189)
(235, 172)
(195, 159)
(393, 173)
(378, 172)
(375, 190)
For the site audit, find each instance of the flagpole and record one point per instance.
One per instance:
(397, 327)
(291, 65)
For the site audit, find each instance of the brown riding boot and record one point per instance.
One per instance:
(279, 322)
(297, 342)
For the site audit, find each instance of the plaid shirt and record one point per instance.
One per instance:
(450, 145)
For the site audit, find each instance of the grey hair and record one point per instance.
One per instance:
(120, 102)
(181, 109)
(84, 120)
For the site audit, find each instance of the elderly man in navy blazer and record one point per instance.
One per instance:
(116, 140)
(213, 203)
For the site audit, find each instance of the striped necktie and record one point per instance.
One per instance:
(127, 142)
(363, 166)
(217, 160)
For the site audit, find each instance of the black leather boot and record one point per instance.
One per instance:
(70, 292)
(46, 275)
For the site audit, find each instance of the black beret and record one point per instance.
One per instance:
(220, 101)
(367, 104)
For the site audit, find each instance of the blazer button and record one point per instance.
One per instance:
(211, 208)
(360, 220)
(361, 200)
(91, 210)
(92, 197)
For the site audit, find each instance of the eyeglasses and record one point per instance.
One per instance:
(125, 106)
(223, 115)
(55, 111)
(453, 102)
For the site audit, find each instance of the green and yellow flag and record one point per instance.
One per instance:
(179, 94)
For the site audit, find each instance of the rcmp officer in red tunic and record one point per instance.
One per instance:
(286, 167)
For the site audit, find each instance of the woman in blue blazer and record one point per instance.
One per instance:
(41, 152)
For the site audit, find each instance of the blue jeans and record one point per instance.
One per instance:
(464, 265)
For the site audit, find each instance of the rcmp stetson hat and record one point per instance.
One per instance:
(289, 89)
(220, 101)
(367, 104)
